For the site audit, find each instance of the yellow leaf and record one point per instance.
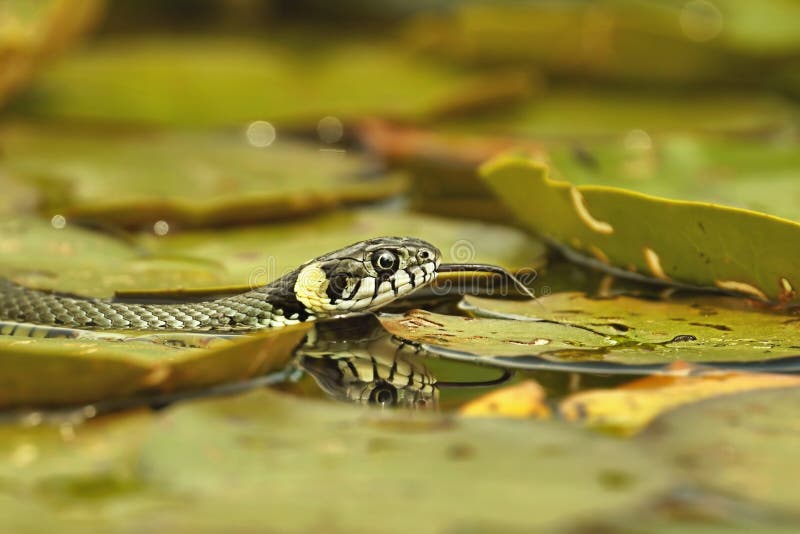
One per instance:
(526, 399)
(628, 409)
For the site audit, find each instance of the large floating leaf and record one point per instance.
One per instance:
(44, 255)
(581, 116)
(226, 81)
(184, 179)
(493, 338)
(268, 461)
(710, 327)
(720, 148)
(676, 241)
(758, 172)
(669, 42)
(533, 344)
(744, 445)
(58, 372)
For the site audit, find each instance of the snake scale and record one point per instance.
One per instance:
(356, 279)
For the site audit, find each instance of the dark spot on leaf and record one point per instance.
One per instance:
(619, 327)
(721, 327)
(585, 158)
(702, 228)
(615, 480)
(460, 451)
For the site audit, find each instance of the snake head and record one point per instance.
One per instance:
(365, 276)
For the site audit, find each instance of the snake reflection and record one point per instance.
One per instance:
(358, 361)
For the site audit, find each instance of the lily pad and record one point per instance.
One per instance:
(705, 323)
(59, 372)
(269, 461)
(183, 179)
(536, 344)
(217, 81)
(685, 242)
(492, 338)
(574, 117)
(758, 172)
(719, 148)
(720, 444)
(668, 42)
(44, 255)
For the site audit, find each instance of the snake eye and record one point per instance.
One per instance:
(385, 261)
(424, 254)
(383, 395)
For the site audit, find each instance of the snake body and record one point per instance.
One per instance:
(357, 279)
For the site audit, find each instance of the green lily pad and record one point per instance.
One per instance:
(757, 174)
(58, 372)
(570, 329)
(43, 255)
(716, 322)
(722, 148)
(492, 338)
(270, 461)
(669, 42)
(684, 242)
(581, 116)
(743, 445)
(228, 81)
(183, 179)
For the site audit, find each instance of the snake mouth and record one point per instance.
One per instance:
(506, 277)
